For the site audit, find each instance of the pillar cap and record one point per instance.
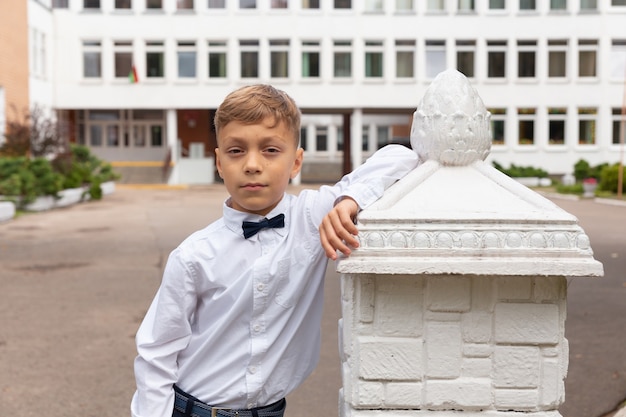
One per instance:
(456, 214)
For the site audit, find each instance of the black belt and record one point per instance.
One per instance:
(191, 406)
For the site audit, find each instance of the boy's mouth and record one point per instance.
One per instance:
(253, 186)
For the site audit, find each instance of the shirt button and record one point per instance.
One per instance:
(256, 328)
(260, 287)
(252, 369)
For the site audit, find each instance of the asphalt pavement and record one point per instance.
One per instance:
(76, 282)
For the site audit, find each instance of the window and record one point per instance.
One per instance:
(156, 136)
(405, 58)
(321, 138)
(104, 128)
(373, 59)
(526, 56)
(618, 3)
(342, 56)
(92, 59)
(38, 54)
(619, 126)
(123, 58)
(466, 6)
(374, 6)
(588, 5)
(155, 60)
(496, 59)
(465, 52)
(249, 58)
(558, 5)
(279, 58)
(310, 4)
(382, 136)
(310, 59)
(587, 56)
(279, 4)
(184, 4)
(498, 123)
(216, 4)
(618, 59)
(587, 125)
(91, 4)
(342, 4)
(123, 4)
(217, 59)
(154, 4)
(186, 54)
(60, 4)
(557, 58)
(436, 5)
(404, 6)
(435, 58)
(496, 4)
(247, 4)
(526, 126)
(527, 5)
(557, 118)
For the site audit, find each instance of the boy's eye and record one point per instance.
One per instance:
(234, 151)
(272, 150)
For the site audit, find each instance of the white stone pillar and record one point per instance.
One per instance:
(455, 301)
(171, 127)
(356, 139)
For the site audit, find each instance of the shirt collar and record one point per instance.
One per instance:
(235, 218)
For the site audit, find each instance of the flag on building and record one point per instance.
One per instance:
(132, 75)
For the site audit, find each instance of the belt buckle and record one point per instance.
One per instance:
(215, 410)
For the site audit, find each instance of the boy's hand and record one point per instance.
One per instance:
(338, 231)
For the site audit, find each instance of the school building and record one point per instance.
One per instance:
(138, 81)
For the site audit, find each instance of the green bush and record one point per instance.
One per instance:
(23, 179)
(570, 189)
(519, 171)
(609, 178)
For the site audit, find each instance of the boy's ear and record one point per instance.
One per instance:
(218, 163)
(297, 163)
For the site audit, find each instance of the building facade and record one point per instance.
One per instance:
(139, 80)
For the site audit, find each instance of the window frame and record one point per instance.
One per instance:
(188, 49)
(342, 48)
(310, 48)
(279, 58)
(526, 116)
(94, 49)
(557, 115)
(374, 55)
(587, 116)
(249, 54)
(405, 47)
(219, 50)
(434, 48)
(155, 48)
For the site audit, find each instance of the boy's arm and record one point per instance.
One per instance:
(359, 189)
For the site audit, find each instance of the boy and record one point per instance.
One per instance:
(235, 324)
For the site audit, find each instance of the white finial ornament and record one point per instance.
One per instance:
(451, 124)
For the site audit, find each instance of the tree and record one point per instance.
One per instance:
(32, 133)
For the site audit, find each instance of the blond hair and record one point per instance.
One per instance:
(254, 103)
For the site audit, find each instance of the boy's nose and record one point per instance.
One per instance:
(253, 163)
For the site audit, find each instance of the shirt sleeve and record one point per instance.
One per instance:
(164, 332)
(368, 182)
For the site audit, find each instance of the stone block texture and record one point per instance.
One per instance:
(441, 343)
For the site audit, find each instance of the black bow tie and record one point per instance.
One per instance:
(252, 228)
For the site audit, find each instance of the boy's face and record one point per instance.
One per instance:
(256, 162)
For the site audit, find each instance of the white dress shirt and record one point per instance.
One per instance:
(236, 322)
